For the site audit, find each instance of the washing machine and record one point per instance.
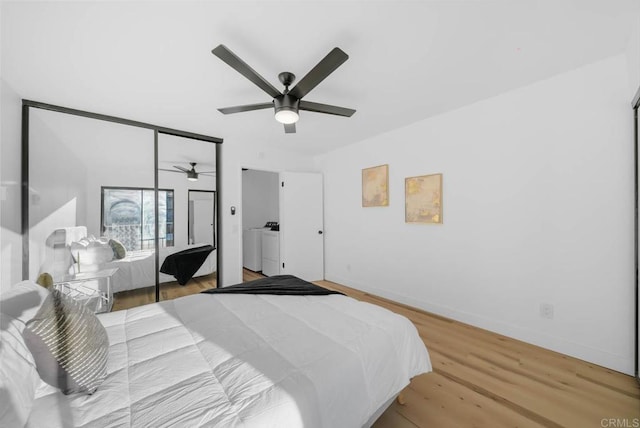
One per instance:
(270, 253)
(252, 248)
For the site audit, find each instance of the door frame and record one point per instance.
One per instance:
(242, 168)
(635, 105)
(215, 244)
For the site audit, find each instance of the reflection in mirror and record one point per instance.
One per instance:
(90, 192)
(202, 207)
(187, 168)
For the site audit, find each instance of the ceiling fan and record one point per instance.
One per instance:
(288, 102)
(192, 174)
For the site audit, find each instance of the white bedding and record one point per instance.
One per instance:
(137, 269)
(245, 360)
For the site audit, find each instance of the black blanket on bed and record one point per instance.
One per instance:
(184, 264)
(288, 285)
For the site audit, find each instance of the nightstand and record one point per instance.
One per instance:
(91, 288)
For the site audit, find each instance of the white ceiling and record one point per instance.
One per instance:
(409, 60)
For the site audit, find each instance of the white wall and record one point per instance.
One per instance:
(260, 198)
(632, 53)
(10, 234)
(538, 208)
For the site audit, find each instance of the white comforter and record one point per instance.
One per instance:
(245, 360)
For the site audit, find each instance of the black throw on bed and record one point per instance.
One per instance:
(184, 264)
(288, 285)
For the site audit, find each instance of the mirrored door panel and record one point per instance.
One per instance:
(107, 201)
(91, 199)
(187, 257)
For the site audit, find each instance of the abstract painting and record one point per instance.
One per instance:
(375, 186)
(423, 199)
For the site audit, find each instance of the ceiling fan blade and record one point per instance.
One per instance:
(325, 67)
(289, 128)
(247, 107)
(181, 168)
(326, 108)
(243, 68)
(206, 172)
(169, 170)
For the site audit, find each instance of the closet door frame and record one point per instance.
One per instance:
(635, 104)
(29, 104)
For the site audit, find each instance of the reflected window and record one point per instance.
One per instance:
(128, 215)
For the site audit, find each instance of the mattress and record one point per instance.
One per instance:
(245, 361)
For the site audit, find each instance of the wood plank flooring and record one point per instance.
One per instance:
(483, 379)
(169, 290)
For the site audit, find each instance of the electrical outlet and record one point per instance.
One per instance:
(546, 310)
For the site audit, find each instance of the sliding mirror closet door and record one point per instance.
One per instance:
(187, 220)
(637, 290)
(90, 200)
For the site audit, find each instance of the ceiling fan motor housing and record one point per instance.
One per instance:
(286, 102)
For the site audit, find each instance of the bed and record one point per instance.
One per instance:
(136, 269)
(249, 360)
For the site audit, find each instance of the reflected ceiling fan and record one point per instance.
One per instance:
(192, 174)
(288, 102)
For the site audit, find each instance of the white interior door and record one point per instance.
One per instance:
(301, 225)
(203, 220)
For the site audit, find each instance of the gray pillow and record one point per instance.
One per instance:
(119, 250)
(69, 344)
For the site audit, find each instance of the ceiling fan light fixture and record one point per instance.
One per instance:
(192, 176)
(286, 108)
(287, 116)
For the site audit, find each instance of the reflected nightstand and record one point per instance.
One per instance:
(91, 288)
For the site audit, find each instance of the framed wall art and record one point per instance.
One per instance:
(375, 186)
(423, 199)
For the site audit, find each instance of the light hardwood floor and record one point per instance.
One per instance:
(168, 291)
(483, 379)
